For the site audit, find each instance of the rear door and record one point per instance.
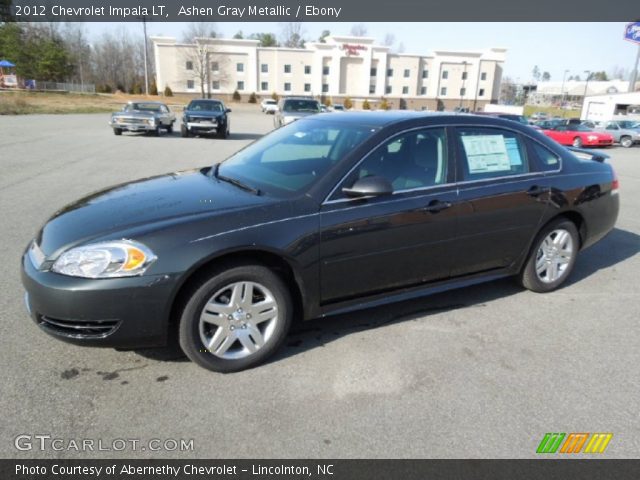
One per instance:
(502, 199)
(393, 241)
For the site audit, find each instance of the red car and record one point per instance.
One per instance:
(578, 136)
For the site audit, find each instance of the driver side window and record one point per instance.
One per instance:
(410, 160)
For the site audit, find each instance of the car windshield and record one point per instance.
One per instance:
(579, 128)
(205, 106)
(629, 124)
(142, 107)
(292, 158)
(270, 102)
(301, 106)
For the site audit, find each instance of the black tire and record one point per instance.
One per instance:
(224, 133)
(156, 132)
(170, 128)
(626, 141)
(117, 131)
(184, 131)
(577, 142)
(199, 296)
(529, 278)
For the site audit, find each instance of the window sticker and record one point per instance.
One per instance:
(486, 153)
(513, 151)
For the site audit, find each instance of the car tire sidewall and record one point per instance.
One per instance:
(577, 142)
(529, 278)
(626, 142)
(189, 333)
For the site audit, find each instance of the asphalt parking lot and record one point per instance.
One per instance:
(480, 372)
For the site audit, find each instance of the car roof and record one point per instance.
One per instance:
(211, 100)
(155, 102)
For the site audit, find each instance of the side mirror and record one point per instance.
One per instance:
(372, 186)
(228, 110)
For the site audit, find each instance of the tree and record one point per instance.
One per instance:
(153, 88)
(508, 91)
(389, 40)
(200, 53)
(238, 35)
(348, 104)
(535, 73)
(292, 35)
(275, 96)
(253, 98)
(598, 76)
(384, 104)
(577, 78)
(323, 36)
(168, 92)
(366, 105)
(359, 30)
(619, 73)
(266, 39)
(546, 76)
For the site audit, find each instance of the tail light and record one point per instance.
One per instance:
(615, 184)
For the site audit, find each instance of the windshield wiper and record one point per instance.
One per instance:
(234, 181)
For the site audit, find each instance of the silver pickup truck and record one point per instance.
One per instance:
(143, 117)
(624, 132)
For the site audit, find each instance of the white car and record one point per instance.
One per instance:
(269, 105)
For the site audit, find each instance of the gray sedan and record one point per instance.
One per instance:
(143, 117)
(294, 108)
(620, 131)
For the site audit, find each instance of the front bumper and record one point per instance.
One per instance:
(118, 312)
(202, 127)
(133, 127)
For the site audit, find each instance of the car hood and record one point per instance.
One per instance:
(155, 201)
(135, 113)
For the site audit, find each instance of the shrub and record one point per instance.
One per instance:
(236, 96)
(104, 88)
(384, 105)
(153, 88)
(275, 96)
(168, 92)
(327, 101)
(253, 98)
(136, 89)
(348, 104)
(366, 105)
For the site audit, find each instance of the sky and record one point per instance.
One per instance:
(553, 47)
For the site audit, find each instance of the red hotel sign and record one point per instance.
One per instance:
(352, 49)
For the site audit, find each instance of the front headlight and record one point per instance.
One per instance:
(122, 258)
(592, 138)
(151, 121)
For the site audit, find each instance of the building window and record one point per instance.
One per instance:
(463, 92)
(464, 75)
(287, 68)
(325, 70)
(425, 73)
(443, 91)
(325, 88)
(483, 76)
(407, 73)
(264, 86)
(240, 85)
(215, 67)
(388, 89)
(239, 67)
(264, 68)
(215, 85)
(389, 72)
(374, 72)
(445, 74)
(189, 66)
(423, 90)
(190, 84)
(287, 87)
(307, 69)
(481, 92)
(372, 89)
(307, 87)
(405, 90)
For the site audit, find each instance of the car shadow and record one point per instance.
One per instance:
(616, 247)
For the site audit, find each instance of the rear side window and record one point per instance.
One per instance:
(543, 158)
(491, 153)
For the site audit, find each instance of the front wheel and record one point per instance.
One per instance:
(577, 142)
(552, 257)
(236, 319)
(184, 131)
(626, 142)
(117, 131)
(170, 128)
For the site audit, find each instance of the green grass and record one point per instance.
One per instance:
(551, 111)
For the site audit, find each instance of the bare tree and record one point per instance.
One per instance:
(118, 60)
(292, 35)
(198, 53)
(618, 72)
(359, 30)
(389, 40)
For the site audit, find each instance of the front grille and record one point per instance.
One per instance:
(78, 328)
(131, 120)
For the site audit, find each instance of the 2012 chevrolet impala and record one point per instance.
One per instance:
(331, 213)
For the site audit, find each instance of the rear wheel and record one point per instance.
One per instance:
(577, 142)
(236, 319)
(156, 132)
(552, 257)
(626, 141)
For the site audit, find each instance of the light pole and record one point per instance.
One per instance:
(586, 84)
(564, 76)
(146, 72)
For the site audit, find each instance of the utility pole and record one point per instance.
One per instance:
(634, 73)
(146, 72)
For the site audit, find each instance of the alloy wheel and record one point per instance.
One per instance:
(554, 255)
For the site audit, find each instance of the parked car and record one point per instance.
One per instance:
(329, 214)
(549, 124)
(338, 108)
(578, 136)
(626, 137)
(507, 116)
(269, 105)
(291, 109)
(537, 116)
(206, 116)
(143, 116)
